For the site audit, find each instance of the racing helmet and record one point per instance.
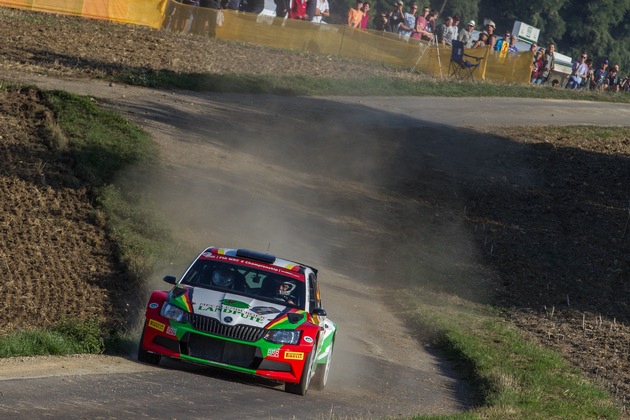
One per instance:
(223, 278)
(286, 288)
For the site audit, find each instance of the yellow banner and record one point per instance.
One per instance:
(327, 39)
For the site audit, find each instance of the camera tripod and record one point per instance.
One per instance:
(432, 43)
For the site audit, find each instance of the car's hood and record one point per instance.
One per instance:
(233, 309)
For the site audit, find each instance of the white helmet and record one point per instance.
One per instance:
(286, 288)
(222, 278)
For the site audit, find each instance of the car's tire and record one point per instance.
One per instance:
(320, 378)
(305, 379)
(146, 357)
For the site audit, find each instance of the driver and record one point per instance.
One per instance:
(223, 278)
(284, 292)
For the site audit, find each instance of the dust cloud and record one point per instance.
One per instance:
(372, 199)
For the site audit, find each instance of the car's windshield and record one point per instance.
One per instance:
(248, 281)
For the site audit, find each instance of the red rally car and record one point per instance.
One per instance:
(246, 311)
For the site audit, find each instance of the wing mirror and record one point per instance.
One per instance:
(170, 279)
(319, 312)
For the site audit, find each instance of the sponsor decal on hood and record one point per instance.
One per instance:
(234, 309)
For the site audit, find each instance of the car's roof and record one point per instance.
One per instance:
(258, 258)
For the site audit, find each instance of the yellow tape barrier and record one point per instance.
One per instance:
(327, 39)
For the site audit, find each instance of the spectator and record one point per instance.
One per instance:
(282, 8)
(311, 5)
(625, 85)
(482, 41)
(601, 74)
(503, 44)
(420, 31)
(443, 32)
(322, 10)
(366, 16)
(455, 27)
(579, 71)
(408, 25)
(425, 12)
(298, 10)
(355, 15)
(492, 38)
(550, 62)
(432, 24)
(613, 82)
(430, 28)
(533, 48)
(397, 16)
(381, 21)
(513, 49)
(466, 34)
(537, 67)
(586, 81)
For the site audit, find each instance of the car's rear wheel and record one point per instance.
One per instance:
(146, 357)
(305, 380)
(320, 378)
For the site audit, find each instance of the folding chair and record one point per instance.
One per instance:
(460, 68)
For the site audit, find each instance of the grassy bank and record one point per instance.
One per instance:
(512, 376)
(368, 86)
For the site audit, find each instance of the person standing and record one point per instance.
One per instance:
(482, 41)
(355, 15)
(492, 38)
(366, 15)
(408, 25)
(443, 32)
(466, 34)
(513, 49)
(590, 74)
(455, 27)
(322, 10)
(397, 17)
(579, 71)
(381, 21)
(600, 76)
(614, 81)
(550, 62)
(298, 10)
(537, 67)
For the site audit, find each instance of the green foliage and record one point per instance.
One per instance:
(143, 238)
(102, 142)
(70, 336)
(513, 377)
(376, 86)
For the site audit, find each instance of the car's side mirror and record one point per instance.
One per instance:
(319, 312)
(170, 279)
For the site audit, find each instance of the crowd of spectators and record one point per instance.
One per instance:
(604, 78)
(414, 23)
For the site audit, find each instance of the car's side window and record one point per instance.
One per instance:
(313, 292)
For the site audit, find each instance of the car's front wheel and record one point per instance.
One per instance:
(320, 378)
(146, 357)
(305, 380)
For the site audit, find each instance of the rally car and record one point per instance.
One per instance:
(246, 311)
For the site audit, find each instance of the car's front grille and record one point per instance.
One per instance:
(222, 351)
(237, 332)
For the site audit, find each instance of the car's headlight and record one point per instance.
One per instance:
(283, 336)
(173, 312)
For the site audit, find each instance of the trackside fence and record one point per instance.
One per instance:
(326, 39)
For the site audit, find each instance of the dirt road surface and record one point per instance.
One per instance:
(321, 180)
